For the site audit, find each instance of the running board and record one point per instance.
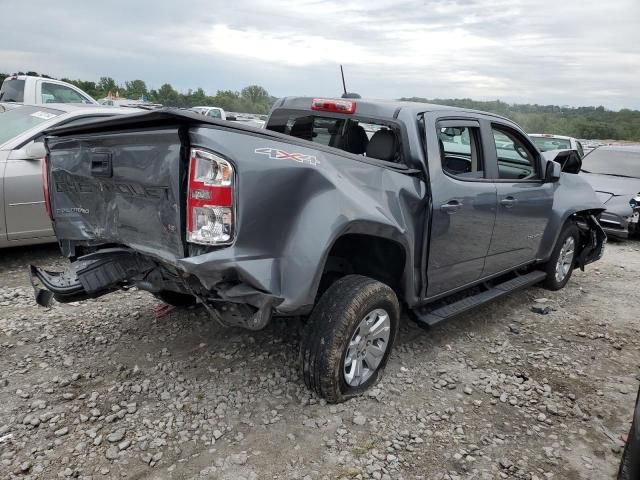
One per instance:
(430, 318)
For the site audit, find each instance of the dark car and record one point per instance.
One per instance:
(341, 209)
(614, 173)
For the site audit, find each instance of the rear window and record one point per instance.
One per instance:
(545, 144)
(352, 135)
(12, 90)
(19, 120)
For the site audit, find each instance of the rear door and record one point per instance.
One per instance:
(464, 203)
(524, 200)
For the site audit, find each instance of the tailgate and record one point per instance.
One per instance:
(120, 188)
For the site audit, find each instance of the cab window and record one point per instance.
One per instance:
(460, 152)
(359, 136)
(54, 93)
(517, 159)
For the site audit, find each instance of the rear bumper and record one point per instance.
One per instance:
(231, 301)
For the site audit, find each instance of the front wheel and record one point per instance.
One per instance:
(348, 339)
(563, 258)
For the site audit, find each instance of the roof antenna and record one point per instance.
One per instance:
(344, 87)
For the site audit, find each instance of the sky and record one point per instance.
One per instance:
(563, 52)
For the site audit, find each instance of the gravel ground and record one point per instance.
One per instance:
(539, 385)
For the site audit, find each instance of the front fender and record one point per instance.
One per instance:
(572, 195)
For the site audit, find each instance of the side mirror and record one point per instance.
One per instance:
(552, 171)
(232, 118)
(569, 160)
(35, 151)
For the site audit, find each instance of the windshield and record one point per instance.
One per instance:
(625, 163)
(215, 113)
(19, 120)
(12, 90)
(545, 144)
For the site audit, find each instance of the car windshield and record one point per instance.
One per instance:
(12, 90)
(215, 113)
(18, 120)
(545, 144)
(624, 163)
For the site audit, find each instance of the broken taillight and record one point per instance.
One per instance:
(210, 199)
(45, 186)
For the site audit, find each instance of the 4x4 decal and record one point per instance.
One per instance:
(277, 154)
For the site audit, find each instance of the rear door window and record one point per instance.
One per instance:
(12, 90)
(460, 151)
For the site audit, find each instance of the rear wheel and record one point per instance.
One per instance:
(563, 258)
(348, 339)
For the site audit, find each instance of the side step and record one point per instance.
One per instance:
(431, 317)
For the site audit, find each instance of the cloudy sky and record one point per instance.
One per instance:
(566, 52)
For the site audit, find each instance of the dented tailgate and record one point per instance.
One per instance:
(119, 188)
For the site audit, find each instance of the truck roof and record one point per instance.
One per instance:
(377, 108)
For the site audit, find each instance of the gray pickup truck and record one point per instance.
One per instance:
(340, 210)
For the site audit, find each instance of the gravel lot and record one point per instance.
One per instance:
(105, 389)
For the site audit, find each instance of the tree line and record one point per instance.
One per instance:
(580, 122)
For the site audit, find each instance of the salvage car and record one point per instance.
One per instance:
(614, 173)
(546, 142)
(314, 217)
(23, 218)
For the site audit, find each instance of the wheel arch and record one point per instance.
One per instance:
(555, 226)
(376, 251)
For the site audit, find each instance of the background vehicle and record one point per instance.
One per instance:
(23, 219)
(212, 112)
(546, 142)
(313, 215)
(40, 90)
(614, 173)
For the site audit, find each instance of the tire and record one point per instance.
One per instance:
(557, 276)
(343, 315)
(176, 299)
(630, 463)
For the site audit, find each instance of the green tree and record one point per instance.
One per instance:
(134, 89)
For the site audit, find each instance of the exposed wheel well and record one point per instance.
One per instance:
(374, 257)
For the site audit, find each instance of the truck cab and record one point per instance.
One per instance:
(41, 90)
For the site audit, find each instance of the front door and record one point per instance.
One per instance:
(524, 200)
(464, 205)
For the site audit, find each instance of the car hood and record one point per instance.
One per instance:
(614, 186)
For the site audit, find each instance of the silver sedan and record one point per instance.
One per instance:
(23, 217)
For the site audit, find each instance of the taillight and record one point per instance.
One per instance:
(210, 201)
(335, 106)
(45, 187)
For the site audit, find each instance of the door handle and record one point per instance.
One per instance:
(508, 202)
(452, 206)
